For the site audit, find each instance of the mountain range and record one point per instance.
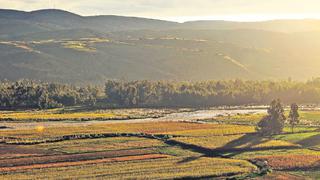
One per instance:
(56, 45)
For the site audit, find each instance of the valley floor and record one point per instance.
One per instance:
(219, 147)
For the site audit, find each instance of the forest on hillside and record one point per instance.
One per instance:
(115, 93)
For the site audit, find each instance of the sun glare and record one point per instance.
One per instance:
(244, 17)
(40, 129)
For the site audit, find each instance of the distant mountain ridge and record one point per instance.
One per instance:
(60, 19)
(49, 20)
(57, 45)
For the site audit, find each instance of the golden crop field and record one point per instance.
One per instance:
(218, 130)
(51, 116)
(77, 113)
(148, 127)
(104, 144)
(226, 142)
(241, 118)
(150, 150)
(292, 162)
(164, 168)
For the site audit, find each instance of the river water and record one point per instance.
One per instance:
(180, 116)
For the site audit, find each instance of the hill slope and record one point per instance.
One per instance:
(57, 45)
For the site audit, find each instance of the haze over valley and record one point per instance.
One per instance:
(56, 45)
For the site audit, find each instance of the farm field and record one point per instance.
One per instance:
(159, 149)
(307, 117)
(80, 114)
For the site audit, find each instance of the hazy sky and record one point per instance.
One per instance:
(180, 10)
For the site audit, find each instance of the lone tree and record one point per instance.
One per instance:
(294, 115)
(273, 123)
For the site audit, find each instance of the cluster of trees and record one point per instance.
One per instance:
(274, 122)
(209, 93)
(32, 94)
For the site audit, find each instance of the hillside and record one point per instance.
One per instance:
(61, 46)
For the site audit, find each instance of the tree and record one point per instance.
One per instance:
(294, 115)
(91, 101)
(44, 101)
(273, 123)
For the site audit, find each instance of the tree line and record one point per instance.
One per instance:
(33, 94)
(115, 93)
(209, 93)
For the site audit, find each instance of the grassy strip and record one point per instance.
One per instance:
(21, 141)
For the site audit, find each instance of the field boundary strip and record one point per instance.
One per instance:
(22, 141)
(5, 170)
(73, 157)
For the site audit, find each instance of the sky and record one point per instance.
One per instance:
(180, 10)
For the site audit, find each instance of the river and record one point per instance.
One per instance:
(180, 116)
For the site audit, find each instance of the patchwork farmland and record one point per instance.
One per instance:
(220, 147)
